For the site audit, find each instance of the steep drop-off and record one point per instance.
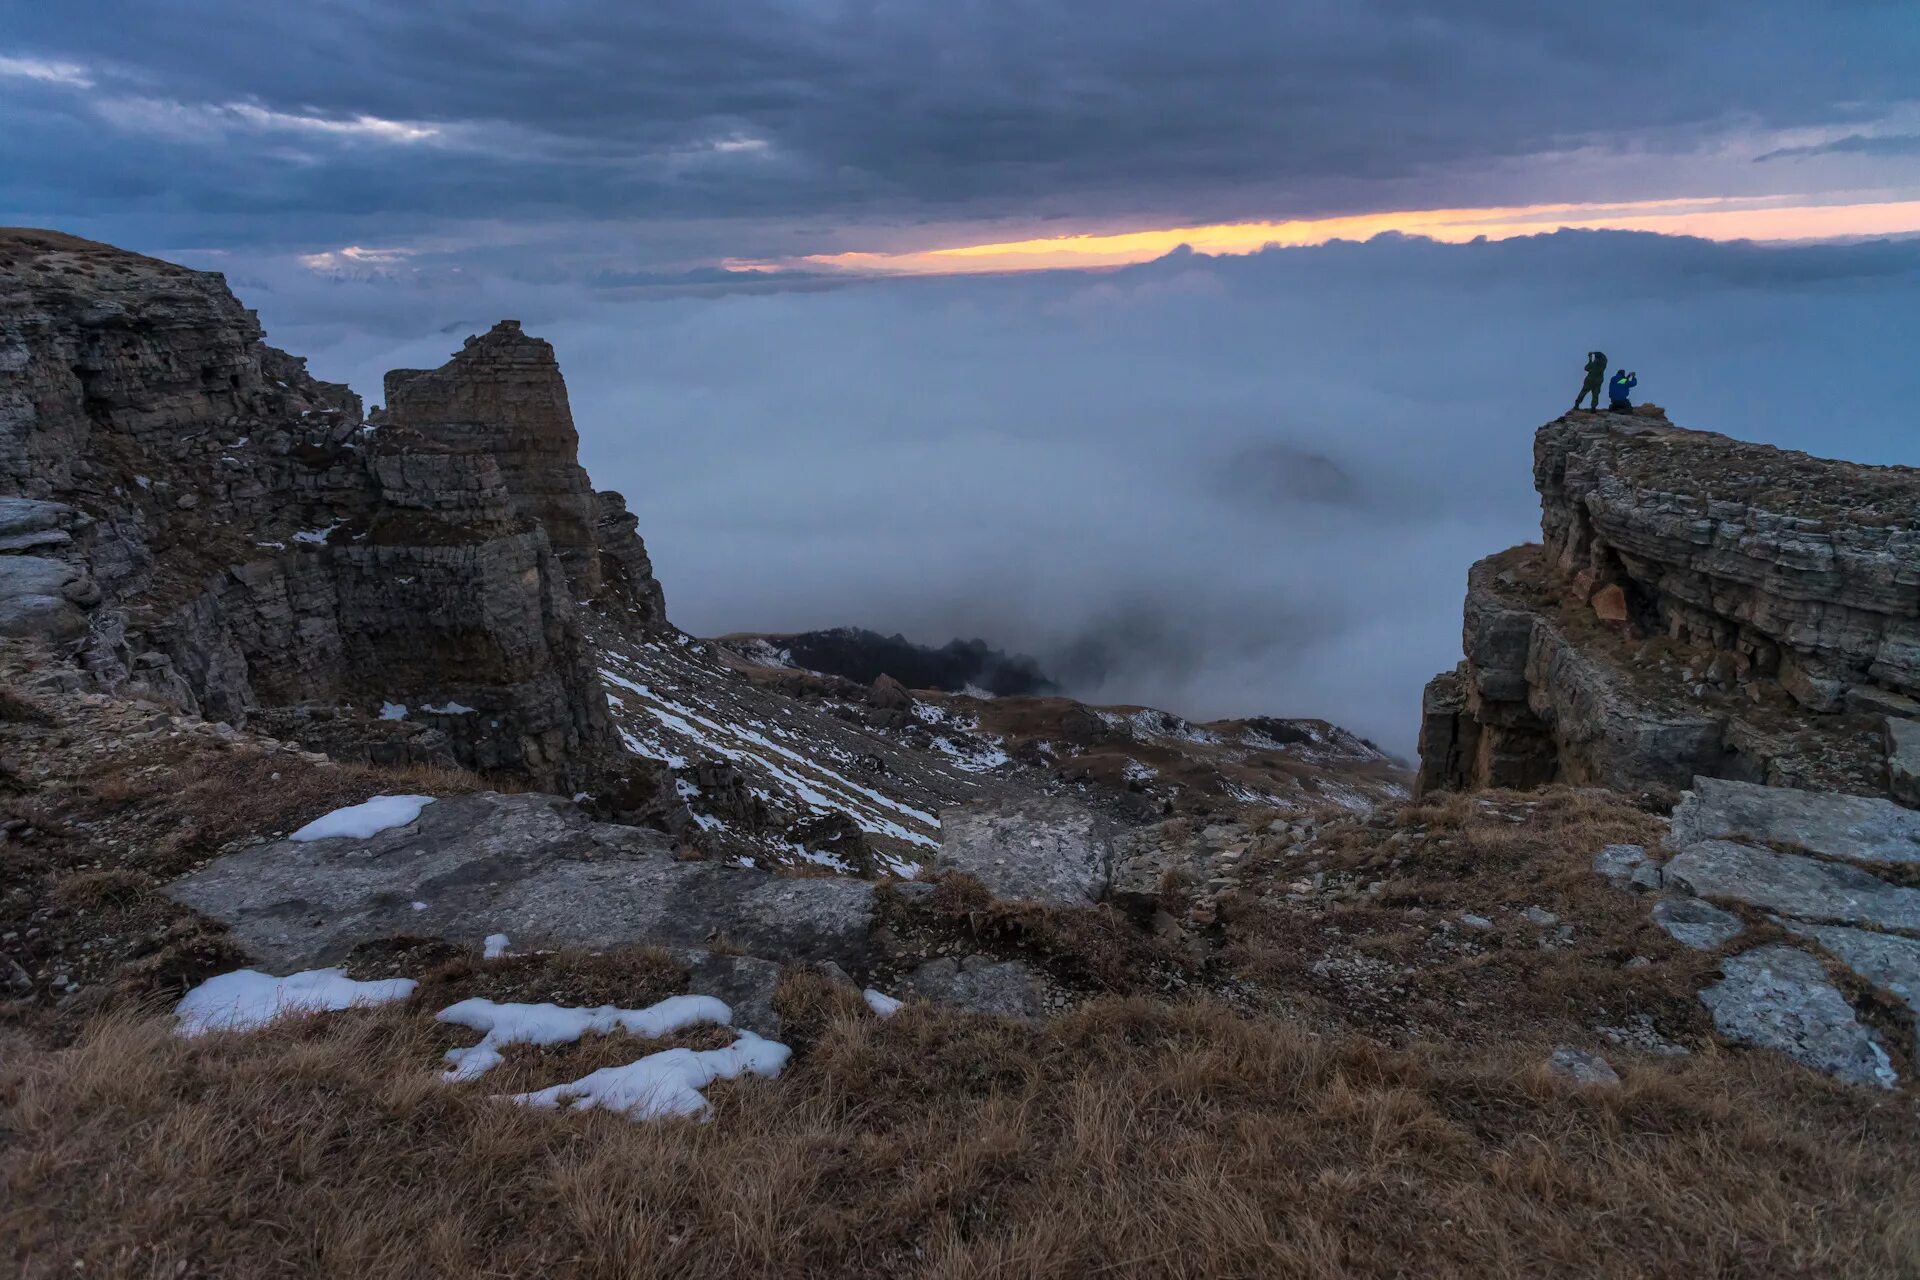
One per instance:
(1700, 606)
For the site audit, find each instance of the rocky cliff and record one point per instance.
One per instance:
(205, 523)
(1698, 606)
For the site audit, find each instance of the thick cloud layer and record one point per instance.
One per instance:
(1223, 486)
(680, 129)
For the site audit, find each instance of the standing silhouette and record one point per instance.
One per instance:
(1596, 374)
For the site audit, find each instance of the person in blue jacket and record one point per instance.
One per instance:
(1617, 390)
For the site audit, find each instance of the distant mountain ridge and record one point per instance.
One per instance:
(855, 653)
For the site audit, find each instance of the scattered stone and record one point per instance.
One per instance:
(1776, 997)
(1610, 604)
(1540, 916)
(1582, 1067)
(1616, 862)
(1793, 884)
(1473, 921)
(1696, 924)
(1646, 877)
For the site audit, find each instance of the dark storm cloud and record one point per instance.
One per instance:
(768, 113)
(1217, 485)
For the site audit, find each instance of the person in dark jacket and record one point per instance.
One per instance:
(1617, 390)
(1596, 375)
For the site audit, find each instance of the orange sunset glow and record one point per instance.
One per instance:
(1778, 218)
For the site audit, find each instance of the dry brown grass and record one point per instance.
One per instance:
(195, 802)
(1493, 854)
(1127, 1139)
(16, 708)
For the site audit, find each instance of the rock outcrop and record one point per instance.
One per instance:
(1698, 607)
(531, 866)
(209, 525)
(1826, 868)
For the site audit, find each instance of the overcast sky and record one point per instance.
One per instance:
(1225, 484)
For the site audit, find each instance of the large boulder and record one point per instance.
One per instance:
(534, 867)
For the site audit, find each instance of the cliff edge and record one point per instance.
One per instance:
(1698, 607)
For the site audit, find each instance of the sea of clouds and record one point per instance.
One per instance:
(1223, 486)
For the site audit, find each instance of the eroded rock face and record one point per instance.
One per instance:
(531, 866)
(1699, 607)
(209, 525)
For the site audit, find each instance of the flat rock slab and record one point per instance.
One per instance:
(1005, 988)
(1037, 850)
(1886, 960)
(1696, 924)
(532, 866)
(1862, 828)
(1779, 998)
(1793, 885)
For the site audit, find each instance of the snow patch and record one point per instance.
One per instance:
(664, 1084)
(447, 709)
(364, 821)
(393, 711)
(246, 998)
(494, 946)
(543, 1024)
(316, 537)
(881, 1003)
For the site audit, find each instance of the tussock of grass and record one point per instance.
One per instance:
(1128, 1138)
(17, 708)
(208, 798)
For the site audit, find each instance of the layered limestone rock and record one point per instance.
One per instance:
(208, 524)
(1699, 607)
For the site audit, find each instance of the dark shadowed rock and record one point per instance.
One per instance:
(531, 866)
(745, 983)
(1779, 998)
(236, 535)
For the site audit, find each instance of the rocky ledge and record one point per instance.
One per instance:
(1698, 606)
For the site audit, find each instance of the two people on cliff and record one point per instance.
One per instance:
(1617, 391)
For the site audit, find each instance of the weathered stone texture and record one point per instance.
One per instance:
(1034, 850)
(534, 867)
(208, 524)
(1700, 607)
